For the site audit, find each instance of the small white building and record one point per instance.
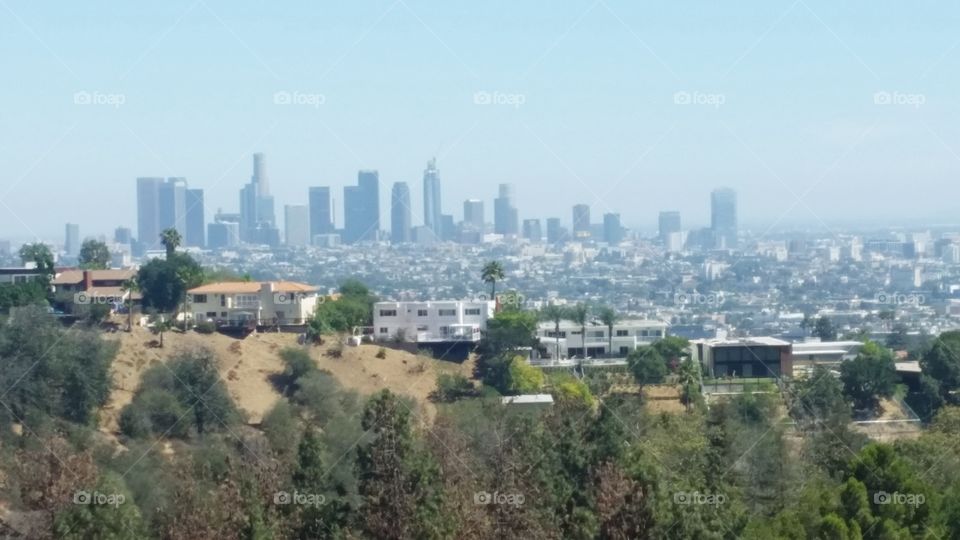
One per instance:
(431, 322)
(807, 355)
(236, 303)
(627, 336)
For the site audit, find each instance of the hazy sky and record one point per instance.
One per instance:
(812, 110)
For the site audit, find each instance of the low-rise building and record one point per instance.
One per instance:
(239, 303)
(760, 357)
(446, 321)
(20, 274)
(831, 354)
(627, 336)
(74, 288)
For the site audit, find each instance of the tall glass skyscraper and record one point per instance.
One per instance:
(401, 227)
(723, 218)
(432, 211)
(321, 221)
(506, 219)
(362, 208)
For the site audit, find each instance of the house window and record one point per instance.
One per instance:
(211, 314)
(552, 334)
(448, 313)
(223, 300)
(471, 311)
(423, 328)
(223, 314)
(622, 333)
(19, 279)
(199, 299)
(596, 333)
(421, 313)
(384, 330)
(248, 301)
(624, 351)
(388, 313)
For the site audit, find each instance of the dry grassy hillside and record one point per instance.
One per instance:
(246, 365)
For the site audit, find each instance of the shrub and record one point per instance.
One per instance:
(453, 387)
(205, 327)
(382, 353)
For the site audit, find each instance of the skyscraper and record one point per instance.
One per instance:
(669, 224)
(321, 221)
(195, 236)
(296, 224)
(612, 230)
(401, 225)
(506, 220)
(555, 232)
(148, 210)
(224, 232)
(362, 208)
(71, 244)
(723, 218)
(173, 205)
(473, 214)
(532, 230)
(257, 219)
(122, 235)
(432, 211)
(581, 221)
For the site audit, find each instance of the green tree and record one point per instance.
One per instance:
(94, 255)
(555, 314)
(898, 338)
(579, 314)
(819, 398)
(491, 273)
(160, 325)
(171, 240)
(942, 363)
(522, 378)
(39, 254)
(112, 515)
(825, 330)
(164, 283)
(508, 334)
(647, 366)
(609, 318)
(869, 377)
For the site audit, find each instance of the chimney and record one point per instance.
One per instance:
(87, 280)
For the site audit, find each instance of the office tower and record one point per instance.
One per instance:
(555, 232)
(473, 214)
(148, 210)
(321, 222)
(195, 219)
(532, 230)
(257, 219)
(362, 208)
(669, 223)
(723, 218)
(122, 235)
(612, 230)
(432, 211)
(296, 224)
(71, 244)
(173, 205)
(448, 231)
(581, 221)
(224, 232)
(400, 221)
(506, 220)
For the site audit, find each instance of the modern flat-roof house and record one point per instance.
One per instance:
(449, 328)
(807, 355)
(19, 274)
(627, 336)
(760, 357)
(242, 303)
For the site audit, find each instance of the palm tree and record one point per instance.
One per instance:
(171, 239)
(130, 286)
(608, 317)
(554, 314)
(579, 315)
(491, 273)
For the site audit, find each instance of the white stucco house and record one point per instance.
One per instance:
(235, 303)
(431, 322)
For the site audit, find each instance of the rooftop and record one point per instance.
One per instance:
(250, 287)
(75, 276)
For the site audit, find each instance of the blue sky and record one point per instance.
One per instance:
(816, 112)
